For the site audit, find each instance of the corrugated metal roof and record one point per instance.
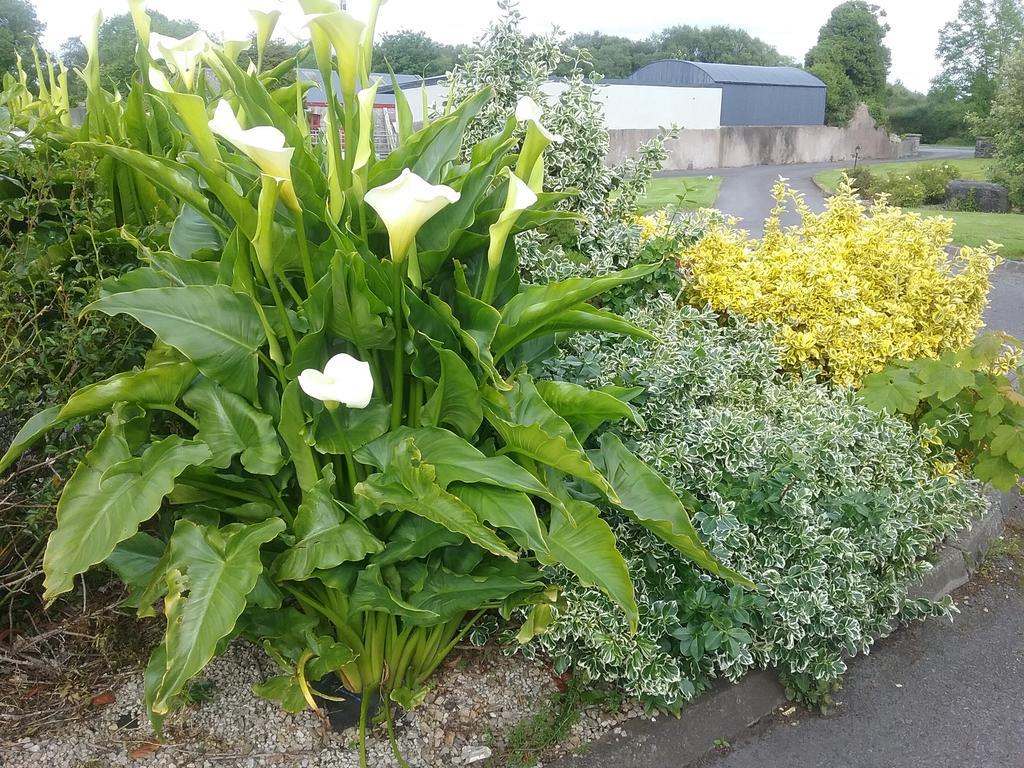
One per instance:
(727, 73)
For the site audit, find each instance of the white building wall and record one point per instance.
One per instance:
(628, 106)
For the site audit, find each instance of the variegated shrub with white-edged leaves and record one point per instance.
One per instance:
(334, 448)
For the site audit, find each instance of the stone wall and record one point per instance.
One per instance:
(736, 146)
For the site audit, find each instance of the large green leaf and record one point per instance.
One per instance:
(585, 409)
(230, 426)
(31, 431)
(345, 429)
(135, 560)
(414, 537)
(647, 498)
(528, 426)
(214, 327)
(456, 400)
(166, 174)
(449, 595)
(356, 313)
(294, 432)
(372, 594)
(428, 151)
(453, 459)
(528, 312)
(161, 384)
(582, 542)
(411, 484)
(108, 496)
(512, 511)
(192, 232)
(212, 572)
(326, 535)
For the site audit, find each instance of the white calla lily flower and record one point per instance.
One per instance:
(530, 167)
(233, 48)
(264, 145)
(183, 56)
(404, 205)
(345, 34)
(266, 15)
(91, 42)
(529, 111)
(343, 380)
(519, 198)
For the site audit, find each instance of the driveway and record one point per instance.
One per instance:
(746, 193)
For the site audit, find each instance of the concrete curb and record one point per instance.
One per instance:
(1012, 265)
(728, 710)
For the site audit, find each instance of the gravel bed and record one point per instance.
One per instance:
(478, 696)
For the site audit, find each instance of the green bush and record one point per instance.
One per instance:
(58, 243)
(862, 180)
(830, 507)
(934, 178)
(902, 189)
(976, 391)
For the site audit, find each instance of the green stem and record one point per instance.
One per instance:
(415, 398)
(300, 235)
(339, 622)
(443, 653)
(275, 495)
(179, 413)
(279, 302)
(397, 374)
(490, 285)
(364, 709)
(390, 721)
(289, 288)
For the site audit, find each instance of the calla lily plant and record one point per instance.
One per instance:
(335, 448)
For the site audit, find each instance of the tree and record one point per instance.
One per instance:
(414, 53)
(1007, 120)
(852, 41)
(937, 115)
(20, 28)
(722, 44)
(117, 49)
(609, 55)
(841, 98)
(973, 46)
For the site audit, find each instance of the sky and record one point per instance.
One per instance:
(790, 25)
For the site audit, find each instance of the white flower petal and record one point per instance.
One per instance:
(528, 110)
(351, 380)
(315, 384)
(264, 144)
(405, 204)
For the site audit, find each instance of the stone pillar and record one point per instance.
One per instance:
(983, 146)
(913, 141)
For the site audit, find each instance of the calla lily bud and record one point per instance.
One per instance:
(520, 197)
(266, 15)
(141, 20)
(183, 56)
(91, 41)
(345, 34)
(530, 167)
(233, 48)
(364, 146)
(264, 145)
(344, 380)
(404, 205)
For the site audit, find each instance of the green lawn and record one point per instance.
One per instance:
(697, 192)
(971, 228)
(979, 228)
(970, 168)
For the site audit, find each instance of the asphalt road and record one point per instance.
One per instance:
(746, 192)
(934, 695)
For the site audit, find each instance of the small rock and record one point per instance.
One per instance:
(472, 755)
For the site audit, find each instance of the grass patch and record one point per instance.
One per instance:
(975, 169)
(696, 192)
(528, 742)
(978, 228)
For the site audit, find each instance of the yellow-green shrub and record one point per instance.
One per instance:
(850, 291)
